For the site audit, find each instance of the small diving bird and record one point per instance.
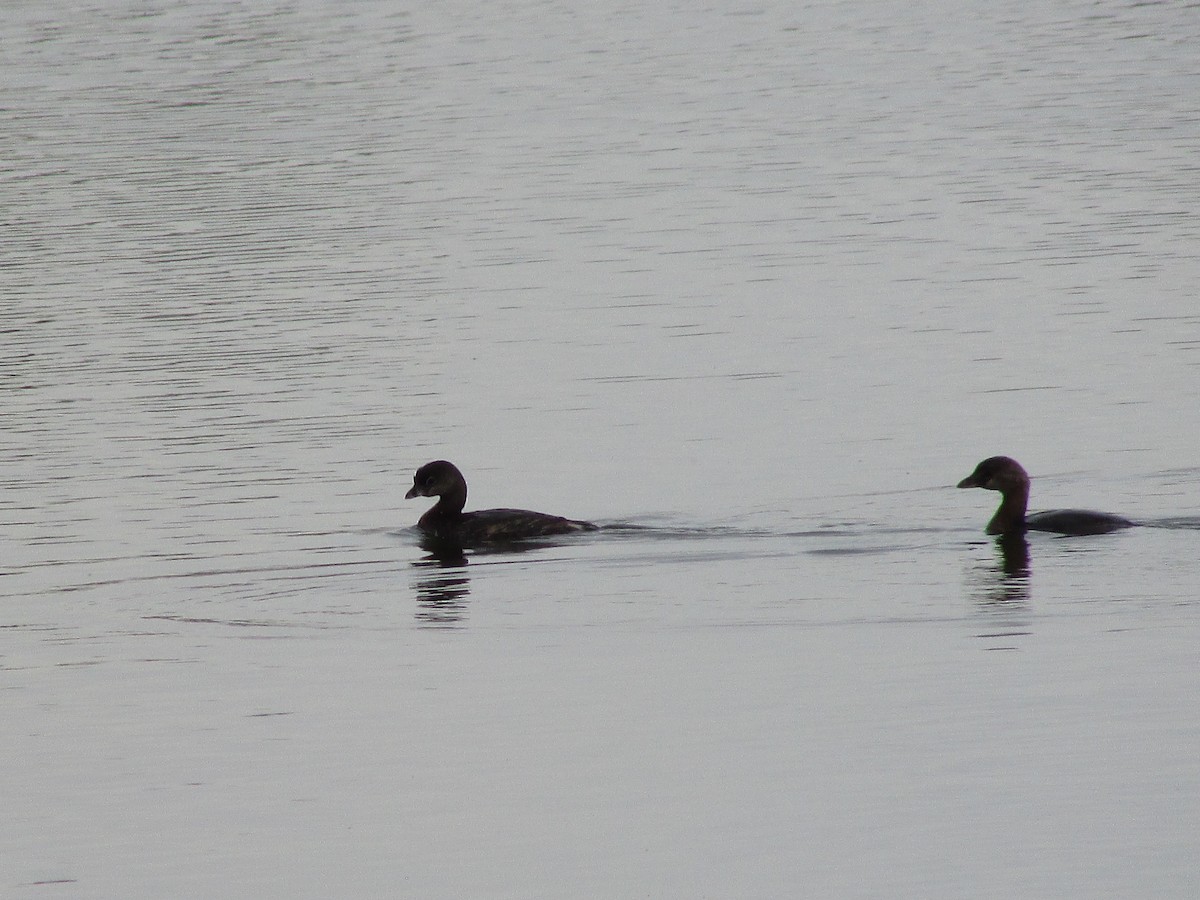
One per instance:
(1004, 474)
(446, 522)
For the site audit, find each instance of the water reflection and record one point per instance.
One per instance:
(1006, 580)
(446, 553)
(442, 587)
(1001, 590)
(1013, 550)
(442, 581)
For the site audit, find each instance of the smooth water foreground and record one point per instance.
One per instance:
(754, 286)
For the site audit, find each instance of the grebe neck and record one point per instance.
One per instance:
(1010, 517)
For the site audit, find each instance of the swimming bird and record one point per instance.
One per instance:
(1004, 474)
(445, 521)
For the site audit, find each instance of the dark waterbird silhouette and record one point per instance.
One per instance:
(1004, 474)
(445, 522)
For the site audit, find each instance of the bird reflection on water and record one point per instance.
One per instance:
(1013, 550)
(442, 586)
(443, 583)
(1005, 581)
(1001, 590)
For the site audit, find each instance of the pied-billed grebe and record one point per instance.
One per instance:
(447, 522)
(1003, 474)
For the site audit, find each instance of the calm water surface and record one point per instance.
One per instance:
(763, 282)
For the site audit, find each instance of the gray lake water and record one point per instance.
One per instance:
(762, 280)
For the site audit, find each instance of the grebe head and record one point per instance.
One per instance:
(435, 479)
(997, 473)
